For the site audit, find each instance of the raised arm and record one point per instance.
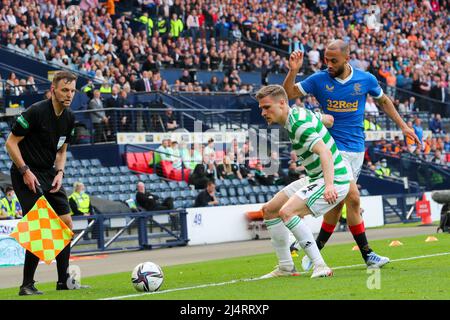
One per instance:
(295, 63)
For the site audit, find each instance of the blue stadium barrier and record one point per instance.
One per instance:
(142, 230)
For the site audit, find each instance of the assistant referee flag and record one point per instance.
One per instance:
(42, 232)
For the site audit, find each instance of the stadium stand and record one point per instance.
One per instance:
(235, 38)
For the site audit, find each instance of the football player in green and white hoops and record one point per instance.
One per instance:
(329, 181)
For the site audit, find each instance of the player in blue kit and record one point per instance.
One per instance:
(341, 91)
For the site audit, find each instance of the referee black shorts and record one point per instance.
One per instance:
(27, 198)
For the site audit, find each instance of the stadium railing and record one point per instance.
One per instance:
(151, 120)
(128, 231)
(400, 207)
(428, 175)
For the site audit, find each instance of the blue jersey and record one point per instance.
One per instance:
(345, 101)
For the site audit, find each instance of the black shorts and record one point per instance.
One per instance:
(27, 198)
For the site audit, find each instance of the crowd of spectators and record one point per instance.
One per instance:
(435, 147)
(13, 86)
(405, 44)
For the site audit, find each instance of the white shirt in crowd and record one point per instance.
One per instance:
(371, 108)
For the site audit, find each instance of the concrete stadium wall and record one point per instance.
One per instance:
(229, 223)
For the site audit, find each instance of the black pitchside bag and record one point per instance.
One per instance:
(444, 225)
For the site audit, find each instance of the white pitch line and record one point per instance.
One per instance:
(256, 279)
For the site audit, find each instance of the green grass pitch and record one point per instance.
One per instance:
(410, 278)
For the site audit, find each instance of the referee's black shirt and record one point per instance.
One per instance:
(44, 132)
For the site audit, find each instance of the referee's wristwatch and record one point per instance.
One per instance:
(23, 169)
(57, 171)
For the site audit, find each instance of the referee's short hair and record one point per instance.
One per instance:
(63, 75)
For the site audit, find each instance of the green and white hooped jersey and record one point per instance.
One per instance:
(305, 130)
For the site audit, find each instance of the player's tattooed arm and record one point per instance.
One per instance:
(387, 106)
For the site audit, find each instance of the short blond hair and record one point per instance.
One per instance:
(274, 91)
(77, 184)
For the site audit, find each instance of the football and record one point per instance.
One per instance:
(147, 277)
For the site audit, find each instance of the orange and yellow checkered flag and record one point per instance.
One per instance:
(42, 232)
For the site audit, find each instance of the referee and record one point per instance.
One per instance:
(37, 146)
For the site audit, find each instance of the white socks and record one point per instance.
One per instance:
(279, 235)
(306, 239)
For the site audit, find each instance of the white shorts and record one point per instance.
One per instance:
(313, 194)
(293, 187)
(355, 160)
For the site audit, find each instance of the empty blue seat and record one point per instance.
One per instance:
(185, 193)
(226, 182)
(223, 192)
(175, 194)
(103, 188)
(124, 169)
(104, 171)
(218, 183)
(164, 194)
(234, 201)
(114, 189)
(123, 197)
(231, 192)
(76, 163)
(133, 179)
(173, 185)
(84, 172)
(273, 189)
(153, 177)
(71, 180)
(261, 198)
(104, 180)
(96, 163)
(124, 179)
(244, 182)
(256, 189)
(248, 190)
(85, 163)
(94, 171)
(114, 170)
(113, 197)
(193, 193)
(240, 191)
(236, 182)
(265, 189)
(4, 125)
(252, 198)
(92, 189)
(182, 185)
(243, 200)
(69, 155)
(178, 204)
(123, 188)
(188, 203)
(115, 180)
(93, 180)
(224, 201)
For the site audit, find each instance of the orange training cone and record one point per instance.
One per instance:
(395, 243)
(431, 239)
